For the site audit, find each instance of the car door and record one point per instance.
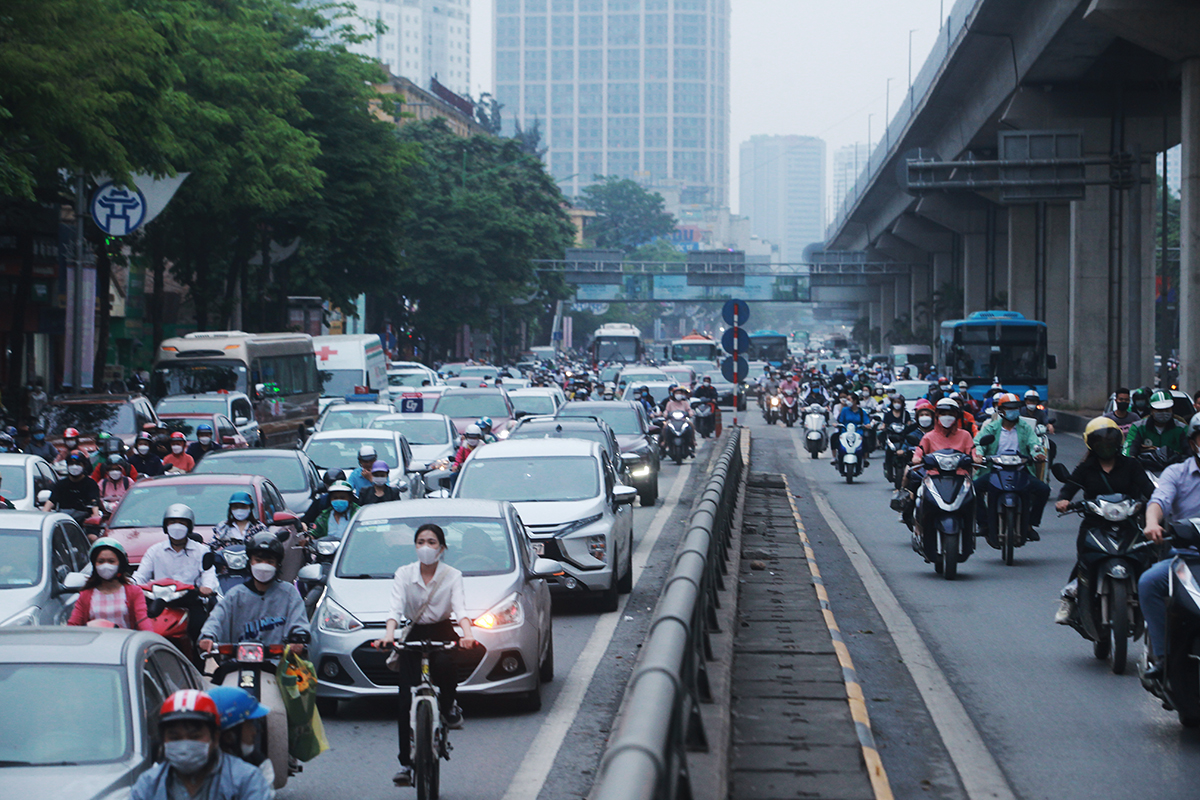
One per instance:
(44, 478)
(228, 433)
(537, 590)
(63, 561)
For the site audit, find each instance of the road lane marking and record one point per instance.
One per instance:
(531, 775)
(977, 768)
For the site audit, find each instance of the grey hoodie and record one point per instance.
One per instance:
(244, 615)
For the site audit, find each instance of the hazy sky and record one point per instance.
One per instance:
(808, 67)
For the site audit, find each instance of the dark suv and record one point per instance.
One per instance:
(635, 435)
(593, 429)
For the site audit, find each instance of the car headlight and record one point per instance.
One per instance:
(504, 434)
(335, 618)
(598, 547)
(327, 547)
(505, 614)
(579, 523)
(26, 617)
(639, 472)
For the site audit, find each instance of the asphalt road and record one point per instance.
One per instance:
(1056, 722)
(504, 753)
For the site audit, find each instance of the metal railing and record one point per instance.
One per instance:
(647, 755)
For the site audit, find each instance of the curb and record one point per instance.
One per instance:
(854, 693)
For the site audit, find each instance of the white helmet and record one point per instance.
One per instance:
(473, 431)
(367, 451)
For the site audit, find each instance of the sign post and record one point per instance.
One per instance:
(735, 341)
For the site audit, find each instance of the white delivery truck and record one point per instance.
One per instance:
(350, 363)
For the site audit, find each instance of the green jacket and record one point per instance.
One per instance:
(321, 525)
(1027, 439)
(1143, 432)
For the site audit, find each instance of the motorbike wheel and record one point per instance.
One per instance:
(950, 557)
(1118, 609)
(425, 765)
(649, 495)
(1100, 648)
(1008, 534)
(849, 477)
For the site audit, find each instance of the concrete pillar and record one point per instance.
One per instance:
(1022, 260)
(1139, 366)
(1058, 294)
(904, 297)
(887, 295)
(943, 271)
(999, 277)
(1087, 360)
(974, 250)
(875, 314)
(1189, 231)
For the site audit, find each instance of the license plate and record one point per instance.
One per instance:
(539, 548)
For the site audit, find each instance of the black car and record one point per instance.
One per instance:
(593, 429)
(728, 393)
(635, 435)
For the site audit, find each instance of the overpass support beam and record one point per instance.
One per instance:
(975, 272)
(1058, 293)
(1189, 231)
(1087, 362)
(1025, 291)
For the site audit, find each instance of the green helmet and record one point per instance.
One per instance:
(1161, 401)
(340, 486)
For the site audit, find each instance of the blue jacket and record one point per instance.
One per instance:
(232, 779)
(850, 416)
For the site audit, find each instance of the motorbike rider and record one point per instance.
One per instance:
(109, 598)
(1122, 414)
(361, 478)
(116, 481)
(334, 520)
(1103, 470)
(678, 401)
(194, 766)
(380, 491)
(38, 446)
(264, 609)
(706, 390)
(1012, 433)
(77, 491)
(7, 443)
(642, 395)
(204, 443)
(240, 523)
(1176, 498)
(896, 413)
(853, 414)
(789, 382)
(239, 734)
(181, 559)
(1160, 429)
(486, 427)
(321, 502)
(425, 593)
(923, 422)
(1034, 410)
(1141, 401)
(472, 437)
(70, 440)
(968, 403)
(143, 459)
(177, 460)
(815, 395)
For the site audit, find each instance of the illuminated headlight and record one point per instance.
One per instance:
(505, 614)
(1008, 461)
(327, 547)
(598, 547)
(335, 618)
(504, 434)
(26, 617)
(640, 472)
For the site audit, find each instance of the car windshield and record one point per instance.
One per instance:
(143, 506)
(91, 418)
(472, 405)
(715, 377)
(340, 382)
(340, 420)
(523, 480)
(185, 425)
(417, 431)
(413, 379)
(532, 403)
(70, 714)
(20, 559)
(342, 453)
(198, 377)
(622, 419)
(912, 392)
(478, 372)
(286, 473)
(658, 392)
(376, 548)
(192, 405)
(12, 481)
(634, 377)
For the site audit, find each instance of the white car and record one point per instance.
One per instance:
(911, 391)
(567, 493)
(22, 476)
(339, 450)
(431, 436)
(536, 399)
(342, 416)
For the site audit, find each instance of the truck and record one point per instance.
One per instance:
(917, 357)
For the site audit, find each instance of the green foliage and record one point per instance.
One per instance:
(658, 250)
(629, 215)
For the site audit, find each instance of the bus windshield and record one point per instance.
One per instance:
(198, 377)
(768, 348)
(693, 351)
(624, 349)
(1012, 353)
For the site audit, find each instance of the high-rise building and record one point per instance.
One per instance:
(424, 39)
(782, 191)
(848, 162)
(634, 88)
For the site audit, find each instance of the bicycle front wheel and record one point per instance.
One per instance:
(425, 762)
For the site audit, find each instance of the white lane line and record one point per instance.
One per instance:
(539, 759)
(980, 774)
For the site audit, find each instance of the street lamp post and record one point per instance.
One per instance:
(910, 83)
(887, 115)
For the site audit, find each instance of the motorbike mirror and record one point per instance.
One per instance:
(284, 518)
(43, 497)
(623, 495)
(986, 440)
(310, 573)
(207, 560)
(74, 582)
(1061, 472)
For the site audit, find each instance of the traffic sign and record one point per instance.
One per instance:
(118, 210)
(727, 369)
(412, 403)
(735, 312)
(743, 340)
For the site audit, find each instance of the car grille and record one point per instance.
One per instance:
(372, 663)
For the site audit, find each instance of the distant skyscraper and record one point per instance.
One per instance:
(635, 88)
(783, 191)
(848, 162)
(424, 39)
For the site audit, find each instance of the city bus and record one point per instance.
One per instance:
(277, 371)
(991, 346)
(694, 347)
(617, 342)
(769, 346)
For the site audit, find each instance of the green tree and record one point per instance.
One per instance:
(629, 215)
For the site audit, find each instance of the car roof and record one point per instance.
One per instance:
(356, 433)
(18, 458)
(430, 507)
(72, 645)
(94, 399)
(521, 448)
(21, 520)
(227, 478)
(256, 452)
(426, 415)
(473, 390)
(532, 390)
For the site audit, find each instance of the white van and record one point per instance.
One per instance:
(348, 362)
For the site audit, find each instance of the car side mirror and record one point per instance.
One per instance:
(1061, 472)
(654, 429)
(546, 568)
(310, 573)
(230, 440)
(402, 488)
(240, 421)
(74, 582)
(630, 458)
(284, 518)
(987, 440)
(43, 497)
(624, 495)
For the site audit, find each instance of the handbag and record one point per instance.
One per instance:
(393, 659)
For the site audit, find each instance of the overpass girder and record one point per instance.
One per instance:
(923, 234)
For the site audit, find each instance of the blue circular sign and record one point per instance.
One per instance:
(743, 341)
(118, 210)
(735, 312)
(735, 373)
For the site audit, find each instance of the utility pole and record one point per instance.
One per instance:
(80, 306)
(910, 83)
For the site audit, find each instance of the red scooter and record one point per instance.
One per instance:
(167, 604)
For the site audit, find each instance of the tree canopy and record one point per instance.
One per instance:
(629, 215)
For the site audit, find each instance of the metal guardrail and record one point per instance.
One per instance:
(647, 755)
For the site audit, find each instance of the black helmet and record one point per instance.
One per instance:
(265, 544)
(333, 476)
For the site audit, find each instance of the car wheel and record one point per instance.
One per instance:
(625, 585)
(546, 671)
(610, 597)
(532, 701)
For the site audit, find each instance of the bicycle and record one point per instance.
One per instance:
(429, 742)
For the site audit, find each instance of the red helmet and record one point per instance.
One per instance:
(190, 704)
(70, 433)
(922, 404)
(178, 436)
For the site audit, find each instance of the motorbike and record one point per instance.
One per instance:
(167, 604)
(944, 529)
(771, 409)
(704, 413)
(816, 420)
(893, 457)
(674, 436)
(1156, 460)
(1044, 442)
(1008, 518)
(1179, 683)
(231, 562)
(850, 453)
(314, 574)
(790, 411)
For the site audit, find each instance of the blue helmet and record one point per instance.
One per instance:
(236, 706)
(241, 497)
(203, 427)
(485, 423)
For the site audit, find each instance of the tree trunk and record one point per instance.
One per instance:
(104, 295)
(157, 270)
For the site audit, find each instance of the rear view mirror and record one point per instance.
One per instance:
(986, 440)
(43, 497)
(623, 495)
(546, 568)
(284, 518)
(310, 573)
(74, 582)
(1061, 472)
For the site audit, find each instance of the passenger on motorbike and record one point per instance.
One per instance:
(815, 395)
(143, 459)
(472, 437)
(946, 434)
(239, 735)
(678, 401)
(177, 460)
(180, 559)
(486, 426)
(240, 523)
(264, 609)
(425, 593)
(1012, 434)
(1160, 429)
(194, 766)
(334, 520)
(380, 491)
(1103, 470)
(116, 481)
(1121, 413)
(77, 491)
(1034, 410)
(706, 390)
(109, 598)
(38, 446)
(361, 478)
(1176, 498)
(321, 502)
(204, 443)
(70, 440)
(1141, 401)
(853, 414)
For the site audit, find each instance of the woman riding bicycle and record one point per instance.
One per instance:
(425, 593)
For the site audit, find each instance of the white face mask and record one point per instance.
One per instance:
(428, 555)
(107, 571)
(679, 397)
(70, 444)
(947, 420)
(75, 469)
(143, 449)
(115, 475)
(203, 439)
(247, 750)
(263, 573)
(241, 514)
(177, 531)
(379, 480)
(176, 449)
(187, 756)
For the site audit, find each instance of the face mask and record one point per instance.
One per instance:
(241, 514)
(428, 555)
(679, 397)
(203, 439)
(897, 406)
(1162, 417)
(187, 756)
(1105, 451)
(263, 573)
(75, 470)
(925, 422)
(70, 443)
(379, 480)
(176, 449)
(107, 571)
(1012, 414)
(39, 437)
(115, 475)
(340, 506)
(143, 449)
(947, 420)
(247, 750)
(177, 531)
(1031, 406)
(1123, 406)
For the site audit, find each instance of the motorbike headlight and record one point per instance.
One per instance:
(235, 560)
(505, 614)
(26, 617)
(327, 547)
(335, 618)
(504, 434)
